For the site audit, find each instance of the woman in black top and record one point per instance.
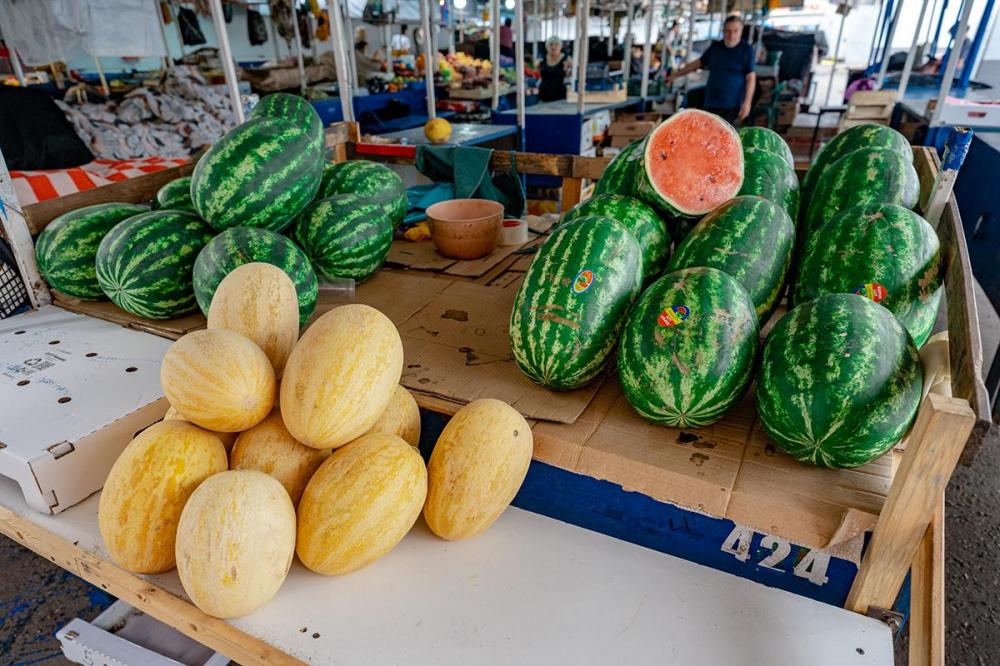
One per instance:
(553, 69)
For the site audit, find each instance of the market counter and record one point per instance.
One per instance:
(463, 134)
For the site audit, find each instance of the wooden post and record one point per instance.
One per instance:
(571, 191)
(100, 74)
(935, 443)
(927, 596)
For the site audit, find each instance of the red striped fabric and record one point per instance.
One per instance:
(34, 186)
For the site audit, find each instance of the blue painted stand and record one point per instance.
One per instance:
(414, 95)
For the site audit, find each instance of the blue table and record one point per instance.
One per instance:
(462, 134)
(366, 106)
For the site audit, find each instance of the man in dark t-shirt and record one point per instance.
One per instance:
(731, 76)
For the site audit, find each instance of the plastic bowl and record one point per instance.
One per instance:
(465, 228)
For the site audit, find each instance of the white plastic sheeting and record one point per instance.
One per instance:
(45, 31)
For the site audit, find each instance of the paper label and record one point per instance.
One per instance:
(582, 281)
(673, 315)
(873, 291)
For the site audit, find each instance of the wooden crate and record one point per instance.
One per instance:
(869, 106)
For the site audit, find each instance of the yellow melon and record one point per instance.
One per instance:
(437, 130)
(235, 542)
(227, 438)
(401, 418)
(258, 300)
(268, 447)
(340, 376)
(476, 468)
(360, 503)
(147, 488)
(219, 380)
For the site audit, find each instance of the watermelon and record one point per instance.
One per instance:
(67, 247)
(839, 383)
(750, 239)
(144, 264)
(294, 109)
(691, 163)
(175, 195)
(345, 236)
(243, 245)
(639, 218)
(688, 348)
(883, 251)
(620, 176)
(260, 174)
(573, 301)
(369, 179)
(766, 139)
(863, 177)
(854, 138)
(768, 175)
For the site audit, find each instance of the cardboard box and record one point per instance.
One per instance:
(74, 391)
(622, 141)
(631, 129)
(787, 111)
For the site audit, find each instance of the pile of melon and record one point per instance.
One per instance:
(278, 445)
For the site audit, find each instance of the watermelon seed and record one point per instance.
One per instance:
(53, 342)
(303, 630)
(413, 365)
(663, 155)
(63, 400)
(131, 369)
(23, 382)
(316, 635)
(18, 332)
(90, 354)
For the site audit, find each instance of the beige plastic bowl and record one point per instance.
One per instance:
(465, 228)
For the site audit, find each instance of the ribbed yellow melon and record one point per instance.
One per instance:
(268, 447)
(147, 488)
(258, 300)
(401, 417)
(227, 438)
(340, 376)
(360, 503)
(476, 468)
(235, 542)
(219, 380)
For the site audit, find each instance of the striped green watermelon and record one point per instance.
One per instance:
(863, 177)
(369, 179)
(691, 163)
(66, 249)
(750, 239)
(260, 174)
(688, 348)
(144, 264)
(175, 195)
(621, 174)
(345, 236)
(573, 302)
(768, 175)
(292, 108)
(766, 139)
(839, 382)
(883, 251)
(243, 245)
(639, 218)
(854, 138)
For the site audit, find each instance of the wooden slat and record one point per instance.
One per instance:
(212, 632)
(571, 191)
(927, 596)
(937, 440)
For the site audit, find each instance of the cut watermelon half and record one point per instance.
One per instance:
(692, 162)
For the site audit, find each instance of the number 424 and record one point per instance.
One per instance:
(812, 566)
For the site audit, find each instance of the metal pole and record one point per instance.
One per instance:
(904, 78)
(177, 26)
(298, 48)
(937, 30)
(100, 74)
(425, 27)
(690, 44)
(627, 53)
(15, 63)
(311, 22)
(495, 51)
(949, 69)
(975, 46)
(350, 39)
(274, 38)
(877, 32)
(930, 27)
(344, 83)
(665, 33)
(168, 61)
(647, 50)
(228, 64)
(538, 18)
(519, 64)
(760, 26)
(584, 54)
(884, 66)
(836, 54)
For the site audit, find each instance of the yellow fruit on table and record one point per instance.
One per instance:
(235, 542)
(476, 468)
(147, 488)
(360, 503)
(340, 376)
(227, 438)
(437, 130)
(401, 418)
(258, 300)
(219, 380)
(268, 447)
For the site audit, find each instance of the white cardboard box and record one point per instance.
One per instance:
(74, 390)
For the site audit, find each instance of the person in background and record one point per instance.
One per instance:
(367, 64)
(507, 39)
(553, 69)
(731, 75)
(401, 44)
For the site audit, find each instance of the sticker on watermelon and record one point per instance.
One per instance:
(673, 315)
(582, 281)
(872, 291)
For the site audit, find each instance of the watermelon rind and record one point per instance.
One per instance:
(883, 251)
(764, 138)
(368, 179)
(840, 381)
(687, 351)
(175, 195)
(573, 302)
(144, 264)
(292, 108)
(768, 175)
(621, 174)
(66, 248)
